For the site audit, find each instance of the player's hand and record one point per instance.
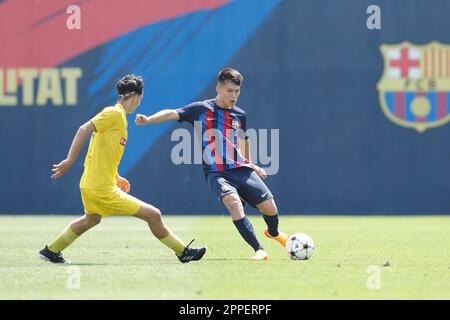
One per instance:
(141, 120)
(61, 168)
(123, 184)
(260, 172)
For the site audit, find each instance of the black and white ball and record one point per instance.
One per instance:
(300, 246)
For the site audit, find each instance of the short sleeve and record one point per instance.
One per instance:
(105, 119)
(191, 112)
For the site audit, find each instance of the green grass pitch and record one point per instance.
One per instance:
(120, 259)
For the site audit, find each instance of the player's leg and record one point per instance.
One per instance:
(234, 206)
(153, 217)
(254, 191)
(270, 214)
(86, 222)
(221, 185)
(76, 228)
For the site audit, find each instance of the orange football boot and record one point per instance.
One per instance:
(281, 237)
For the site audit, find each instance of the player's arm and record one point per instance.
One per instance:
(244, 147)
(244, 144)
(82, 134)
(159, 117)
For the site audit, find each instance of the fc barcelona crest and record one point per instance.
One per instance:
(414, 90)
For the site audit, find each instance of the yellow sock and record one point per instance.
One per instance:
(64, 240)
(174, 243)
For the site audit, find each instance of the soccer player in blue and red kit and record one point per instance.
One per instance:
(229, 173)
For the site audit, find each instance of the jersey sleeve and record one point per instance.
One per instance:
(191, 112)
(104, 119)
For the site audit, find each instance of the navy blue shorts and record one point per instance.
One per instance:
(243, 181)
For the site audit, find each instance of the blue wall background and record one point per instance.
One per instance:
(310, 68)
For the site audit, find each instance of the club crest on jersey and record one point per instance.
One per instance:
(123, 141)
(235, 124)
(414, 90)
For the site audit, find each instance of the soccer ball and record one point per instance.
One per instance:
(299, 246)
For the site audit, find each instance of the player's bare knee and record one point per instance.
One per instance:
(153, 215)
(268, 207)
(232, 202)
(149, 213)
(157, 216)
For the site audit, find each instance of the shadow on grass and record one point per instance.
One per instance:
(225, 259)
(93, 264)
(170, 261)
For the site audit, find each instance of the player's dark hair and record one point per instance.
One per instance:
(230, 74)
(130, 84)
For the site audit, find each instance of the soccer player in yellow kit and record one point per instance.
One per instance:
(103, 191)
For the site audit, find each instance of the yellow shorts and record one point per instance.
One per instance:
(107, 203)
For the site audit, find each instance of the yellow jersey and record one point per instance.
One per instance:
(106, 148)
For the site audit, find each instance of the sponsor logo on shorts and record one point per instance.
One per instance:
(123, 141)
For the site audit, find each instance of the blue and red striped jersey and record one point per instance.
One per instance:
(220, 130)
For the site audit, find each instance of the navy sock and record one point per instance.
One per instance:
(247, 232)
(272, 224)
